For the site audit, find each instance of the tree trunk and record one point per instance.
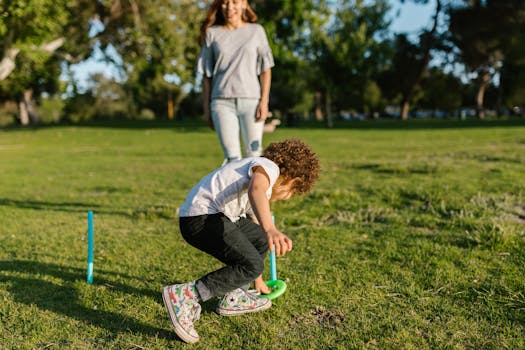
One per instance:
(115, 10)
(171, 113)
(7, 64)
(26, 109)
(318, 109)
(136, 14)
(177, 101)
(23, 115)
(483, 82)
(428, 44)
(328, 110)
(405, 107)
(31, 107)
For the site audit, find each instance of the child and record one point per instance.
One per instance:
(215, 219)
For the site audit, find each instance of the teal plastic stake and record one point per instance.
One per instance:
(91, 247)
(273, 263)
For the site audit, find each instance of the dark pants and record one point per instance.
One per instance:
(241, 245)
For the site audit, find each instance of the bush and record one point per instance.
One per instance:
(146, 114)
(8, 114)
(51, 109)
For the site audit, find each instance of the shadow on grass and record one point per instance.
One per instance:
(420, 169)
(197, 125)
(30, 288)
(151, 213)
(40, 205)
(416, 124)
(187, 125)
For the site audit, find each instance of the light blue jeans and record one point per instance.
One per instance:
(232, 116)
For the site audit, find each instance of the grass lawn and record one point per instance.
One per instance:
(414, 238)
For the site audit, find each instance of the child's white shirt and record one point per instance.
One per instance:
(225, 190)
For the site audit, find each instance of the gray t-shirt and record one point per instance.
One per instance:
(234, 59)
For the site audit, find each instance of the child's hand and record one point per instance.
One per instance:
(282, 242)
(261, 286)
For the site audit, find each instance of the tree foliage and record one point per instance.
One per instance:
(156, 41)
(488, 33)
(34, 35)
(288, 25)
(442, 91)
(331, 55)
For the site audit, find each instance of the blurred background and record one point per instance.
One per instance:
(72, 61)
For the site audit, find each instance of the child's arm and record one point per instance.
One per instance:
(259, 184)
(261, 286)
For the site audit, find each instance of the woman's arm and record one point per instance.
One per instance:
(206, 96)
(265, 79)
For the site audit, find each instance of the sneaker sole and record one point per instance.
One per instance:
(185, 336)
(225, 312)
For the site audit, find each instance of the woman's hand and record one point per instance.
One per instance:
(265, 78)
(262, 111)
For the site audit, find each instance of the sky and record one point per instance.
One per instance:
(411, 17)
(407, 17)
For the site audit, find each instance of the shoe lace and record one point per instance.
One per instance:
(251, 295)
(253, 292)
(195, 312)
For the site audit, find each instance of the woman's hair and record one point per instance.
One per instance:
(297, 163)
(215, 17)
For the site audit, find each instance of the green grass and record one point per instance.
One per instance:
(414, 238)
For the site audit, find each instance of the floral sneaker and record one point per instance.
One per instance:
(183, 309)
(239, 302)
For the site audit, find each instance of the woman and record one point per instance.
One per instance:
(236, 62)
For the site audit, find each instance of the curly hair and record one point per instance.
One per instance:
(295, 161)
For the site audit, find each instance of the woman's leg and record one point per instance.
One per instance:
(241, 246)
(226, 124)
(251, 129)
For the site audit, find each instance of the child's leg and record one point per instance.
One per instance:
(182, 303)
(239, 302)
(259, 241)
(241, 246)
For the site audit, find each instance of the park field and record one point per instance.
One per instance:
(413, 238)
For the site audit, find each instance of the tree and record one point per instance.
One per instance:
(156, 41)
(347, 52)
(512, 71)
(30, 33)
(32, 26)
(485, 33)
(372, 100)
(442, 91)
(288, 25)
(513, 88)
(34, 34)
(411, 63)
